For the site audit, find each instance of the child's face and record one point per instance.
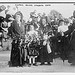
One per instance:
(62, 23)
(31, 27)
(43, 21)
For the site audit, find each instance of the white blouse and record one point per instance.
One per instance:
(63, 28)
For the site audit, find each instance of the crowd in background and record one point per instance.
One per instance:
(41, 39)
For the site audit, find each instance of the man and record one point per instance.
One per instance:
(71, 34)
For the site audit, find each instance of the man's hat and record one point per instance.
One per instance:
(2, 19)
(2, 8)
(9, 18)
(33, 14)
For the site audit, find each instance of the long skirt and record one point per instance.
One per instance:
(63, 48)
(17, 56)
(71, 58)
(45, 56)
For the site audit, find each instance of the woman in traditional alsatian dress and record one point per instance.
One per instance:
(45, 51)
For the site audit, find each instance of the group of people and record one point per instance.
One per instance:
(29, 43)
(41, 41)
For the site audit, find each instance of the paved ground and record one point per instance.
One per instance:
(57, 66)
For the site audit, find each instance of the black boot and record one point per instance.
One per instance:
(48, 63)
(29, 65)
(42, 63)
(35, 64)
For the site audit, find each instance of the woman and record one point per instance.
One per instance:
(17, 32)
(63, 40)
(45, 51)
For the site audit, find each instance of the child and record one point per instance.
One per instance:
(32, 53)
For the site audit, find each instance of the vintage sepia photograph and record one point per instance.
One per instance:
(37, 37)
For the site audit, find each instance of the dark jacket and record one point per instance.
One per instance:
(16, 30)
(71, 33)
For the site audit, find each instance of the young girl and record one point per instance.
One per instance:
(32, 46)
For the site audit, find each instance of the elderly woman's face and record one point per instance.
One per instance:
(18, 18)
(43, 21)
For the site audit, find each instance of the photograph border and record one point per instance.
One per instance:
(59, 2)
